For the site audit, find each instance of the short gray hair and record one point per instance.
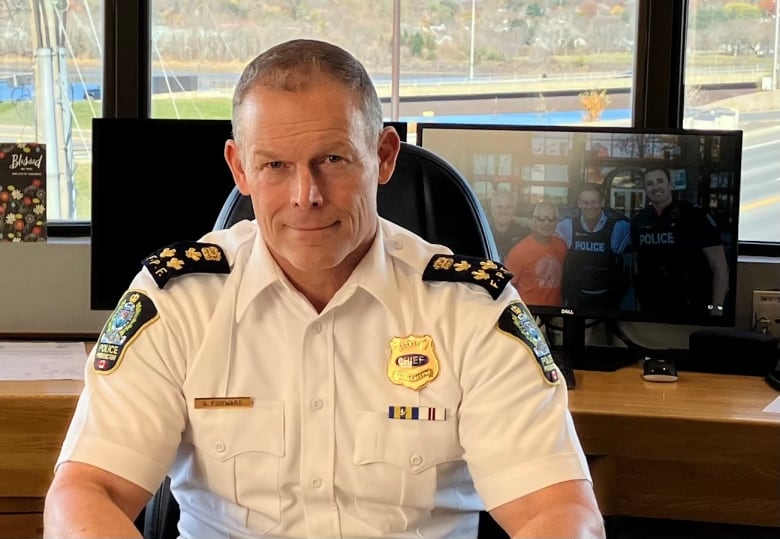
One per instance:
(290, 66)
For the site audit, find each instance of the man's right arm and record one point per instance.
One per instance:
(86, 502)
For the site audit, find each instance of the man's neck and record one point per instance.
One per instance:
(320, 285)
(542, 239)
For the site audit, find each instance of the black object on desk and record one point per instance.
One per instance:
(659, 370)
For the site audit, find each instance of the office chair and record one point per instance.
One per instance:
(425, 194)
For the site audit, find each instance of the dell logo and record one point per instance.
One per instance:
(567, 311)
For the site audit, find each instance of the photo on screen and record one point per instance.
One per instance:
(608, 222)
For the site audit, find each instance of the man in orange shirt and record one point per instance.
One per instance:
(536, 261)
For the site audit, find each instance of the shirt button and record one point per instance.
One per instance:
(416, 460)
(396, 244)
(220, 447)
(317, 404)
(315, 482)
(316, 327)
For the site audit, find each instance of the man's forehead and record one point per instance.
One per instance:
(655, 175)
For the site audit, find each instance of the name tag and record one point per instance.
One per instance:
(224, 402)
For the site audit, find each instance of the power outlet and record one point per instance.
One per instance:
(766, 312)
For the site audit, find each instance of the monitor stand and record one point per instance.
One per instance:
(591, 358)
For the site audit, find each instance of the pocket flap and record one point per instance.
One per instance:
(224, 433)
(414, 446)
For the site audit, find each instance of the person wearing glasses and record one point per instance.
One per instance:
(679, 261)
(595, 275)
(536, 261)
(319, 371)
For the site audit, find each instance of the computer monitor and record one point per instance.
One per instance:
(607, 223)
(154, 181)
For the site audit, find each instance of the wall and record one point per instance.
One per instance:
(45, 290)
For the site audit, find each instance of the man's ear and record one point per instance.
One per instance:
(233, 158)
(389, 146)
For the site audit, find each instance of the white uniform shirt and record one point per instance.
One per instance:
(308, 447)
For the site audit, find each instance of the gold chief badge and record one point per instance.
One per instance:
(413, 362)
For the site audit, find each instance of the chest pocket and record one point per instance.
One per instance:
(237, 453)
(396, 469)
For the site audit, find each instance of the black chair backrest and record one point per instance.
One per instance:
(426, 195)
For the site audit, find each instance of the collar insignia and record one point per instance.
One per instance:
(413, 362)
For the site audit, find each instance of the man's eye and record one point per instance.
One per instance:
(273, 165)
(334, 159)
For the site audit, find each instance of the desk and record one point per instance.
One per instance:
(697, 449)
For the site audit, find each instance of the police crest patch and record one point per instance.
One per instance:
(488, 274)
(517, 321)
(185, 257)
(134, 312)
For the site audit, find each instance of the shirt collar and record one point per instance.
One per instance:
(599, 225)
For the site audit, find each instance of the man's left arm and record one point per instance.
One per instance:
(716, 258)
(568, 509)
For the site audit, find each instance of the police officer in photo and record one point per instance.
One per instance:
(680, 262)
(595, 275)
(319, 371)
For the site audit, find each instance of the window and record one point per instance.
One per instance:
(540, 62)
(476, 60)
(50, 89)
(731, 70)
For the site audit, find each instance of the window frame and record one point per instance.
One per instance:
(657, 100)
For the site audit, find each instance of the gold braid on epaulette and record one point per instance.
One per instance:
(185, 257)
(489, 274)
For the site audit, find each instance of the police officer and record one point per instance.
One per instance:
(680, 263)
(594, 275)
(319, 371)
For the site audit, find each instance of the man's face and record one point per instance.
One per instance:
(590, 204)
(305, 159)
(658, 188)
(502, 209)
(544, 219)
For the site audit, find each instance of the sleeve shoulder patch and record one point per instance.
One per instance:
(185, 257)
(134, 312)
(518, 322)
(490, 275)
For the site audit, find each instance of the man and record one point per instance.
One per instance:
(594, 276)
(506, 227)
(537, 261)
(680, 263)
(315, 374)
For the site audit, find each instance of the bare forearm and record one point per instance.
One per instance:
(570, 521)
(85, 512)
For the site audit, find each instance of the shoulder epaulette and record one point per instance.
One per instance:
(490, 275)
(185, 257)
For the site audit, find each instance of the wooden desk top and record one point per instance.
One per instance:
(694, 396)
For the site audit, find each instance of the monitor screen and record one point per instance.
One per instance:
(608, 222)
(154, 182)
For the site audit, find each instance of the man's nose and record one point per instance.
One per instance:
(306, 190)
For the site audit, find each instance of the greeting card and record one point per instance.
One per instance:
(22, 192)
